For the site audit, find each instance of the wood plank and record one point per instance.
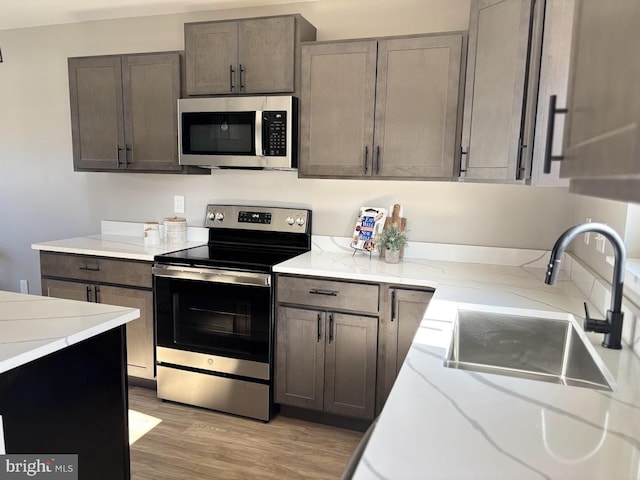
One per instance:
(197, 444)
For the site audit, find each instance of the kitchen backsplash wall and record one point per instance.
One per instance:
(41, 198)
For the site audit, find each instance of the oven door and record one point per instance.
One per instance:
(214, 312)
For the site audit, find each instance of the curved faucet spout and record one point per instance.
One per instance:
(614, 314)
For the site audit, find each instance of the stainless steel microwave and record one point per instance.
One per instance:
(238, 132)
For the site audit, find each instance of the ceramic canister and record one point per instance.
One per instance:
(175, 229)
(151, 233)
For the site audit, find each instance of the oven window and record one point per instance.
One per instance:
(206, 133)
(214, 318)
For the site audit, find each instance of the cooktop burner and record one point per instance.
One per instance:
(247, 238)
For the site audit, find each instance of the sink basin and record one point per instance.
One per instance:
(544, 349)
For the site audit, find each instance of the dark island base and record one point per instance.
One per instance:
(72, 401)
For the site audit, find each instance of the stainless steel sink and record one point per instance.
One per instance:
(544, 349)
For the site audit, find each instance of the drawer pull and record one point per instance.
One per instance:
(89, 269)
(318, 291)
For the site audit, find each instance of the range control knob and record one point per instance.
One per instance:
(211, 216)
(291, 220)
(300, 221)
(219, 216)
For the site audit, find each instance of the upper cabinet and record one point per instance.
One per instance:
(493, 143)
(123, 112)
(250, 56)
(383, 108)
(602, 128)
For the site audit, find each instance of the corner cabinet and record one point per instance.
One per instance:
(248, 56)
(601, 148)
(124, 283)
(494, 136)
(384, 108)
(124, 112)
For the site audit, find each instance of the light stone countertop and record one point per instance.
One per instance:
(121, 240)
(443, 423)
(32, 326)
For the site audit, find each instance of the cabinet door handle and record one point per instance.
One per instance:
(366, 159)
(318, 291)
(377, 159)
(241, 77)
(231, 72)
(319, 325)
(118, 150)
(553, 111)
(128, 155)
(96, 291)
(90, 269)
(393, 305)
(88, 293)
(330, 327)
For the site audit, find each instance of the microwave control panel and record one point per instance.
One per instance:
(274, 138)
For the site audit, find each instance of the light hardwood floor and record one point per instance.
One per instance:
(197, 444)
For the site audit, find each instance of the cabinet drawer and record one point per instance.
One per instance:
(96, 269)
(328, 294)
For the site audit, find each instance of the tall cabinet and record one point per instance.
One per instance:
(382, 108)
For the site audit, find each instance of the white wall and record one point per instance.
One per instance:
(41, 198)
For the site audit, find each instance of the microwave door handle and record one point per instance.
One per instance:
(259, 133)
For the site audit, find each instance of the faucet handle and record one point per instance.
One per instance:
(591, 325)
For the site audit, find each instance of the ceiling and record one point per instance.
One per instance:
(31, 13)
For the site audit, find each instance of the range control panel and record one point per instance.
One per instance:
(275, 219)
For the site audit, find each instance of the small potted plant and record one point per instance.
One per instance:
(391, 240)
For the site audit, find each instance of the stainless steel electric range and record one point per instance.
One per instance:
(215, 311)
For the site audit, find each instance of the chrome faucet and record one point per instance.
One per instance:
(612, 326)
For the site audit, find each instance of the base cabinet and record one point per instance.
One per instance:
(326, 361)
(340, 344)
(110, 281)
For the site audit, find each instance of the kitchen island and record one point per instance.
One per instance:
(63, 382)
(446, 423)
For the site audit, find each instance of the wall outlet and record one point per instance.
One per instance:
(24, 286)
(587, 235)
(178, 204)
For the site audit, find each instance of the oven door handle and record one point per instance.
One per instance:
(213, 275)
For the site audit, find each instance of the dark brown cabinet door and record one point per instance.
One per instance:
(350, 365)
(602, 126)
(300, 343)
(495, 88)
(140, 340)
(404, 310)
(416, 115)
(95, 87)
(151, 88)
(337, 108)
(68, 290)
(266, 55)
(211, 56)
